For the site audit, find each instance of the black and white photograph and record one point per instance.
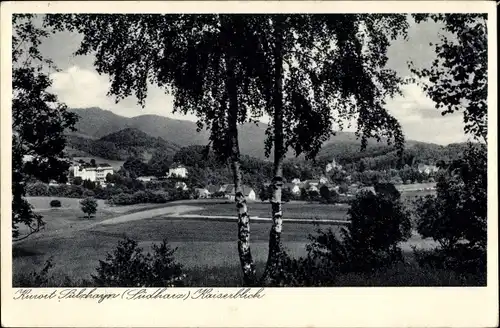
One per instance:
(248, 150)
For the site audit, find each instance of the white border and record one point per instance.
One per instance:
(311, 307)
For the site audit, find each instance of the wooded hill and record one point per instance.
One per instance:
(105, 134)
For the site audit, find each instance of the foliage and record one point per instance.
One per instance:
(159, 163)
(55, 203)
(387, 190)
(36, 279)
(327, 195)
(89, 206)
(88, 184)
(123, 144)
(343, 188)
(458, 77)
(219, 194)
(457, 216)
(39, 121)
(136, 166)
(266, 193)
(378, 225)
(37, 189)
(77, 181)
(129, 266)
(142, 197)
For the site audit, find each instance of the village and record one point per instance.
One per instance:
(98, 173)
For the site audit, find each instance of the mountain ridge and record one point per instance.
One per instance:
(96, 123)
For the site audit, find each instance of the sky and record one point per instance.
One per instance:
(79, 86)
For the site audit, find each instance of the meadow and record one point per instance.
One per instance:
(292, 210)
(206, 248)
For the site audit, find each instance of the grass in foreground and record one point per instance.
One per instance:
(400, 275)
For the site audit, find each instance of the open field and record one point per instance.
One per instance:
(77, 244)
(415, 186)
(293, 210)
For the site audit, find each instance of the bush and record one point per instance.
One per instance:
(290, 272)
(37, 189)
(88, 193)
(55, 203)
(87, 184)
(35, 279)
(121, 199)
(343, 188)
(456, 217)
(89, 206)
(313, 195)
(128, 266)
(325, 194)
(378, 225)
(461, 258)
(218, 194)
(139, 198)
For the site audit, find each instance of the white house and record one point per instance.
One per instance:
(323, 180)
(181, 185)
(293, 187)
(146, 178)
(177, 171)
(93, 173)
(311, 185)
(296, 181)
(332, 165)
(230, 192)
(202, 192)
(427, 169)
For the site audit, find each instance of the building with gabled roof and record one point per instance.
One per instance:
(230, 191)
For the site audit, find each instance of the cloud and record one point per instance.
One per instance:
(82, 88)
(422, 121)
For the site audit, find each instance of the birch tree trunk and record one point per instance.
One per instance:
(277, 183)
(244, 251)
(245, 254)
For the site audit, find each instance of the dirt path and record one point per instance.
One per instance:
(252, 218)
(148, 214)
(134, 216)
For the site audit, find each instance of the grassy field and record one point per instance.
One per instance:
(206, 249)
(293, 210)
(200, 243)
(415, 186)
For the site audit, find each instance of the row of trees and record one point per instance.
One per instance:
(306, 72)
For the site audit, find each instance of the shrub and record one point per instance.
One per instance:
(88, 193)
(313, 195)
(89, 206)
(87, 184)
(325, 194)
(55, 203)
(343, 188)
(378, 225)
(35, 279)
(218, 194)
(456, 216)
(128, 266)
(286, 195)
(37, 189)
